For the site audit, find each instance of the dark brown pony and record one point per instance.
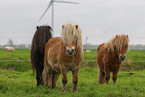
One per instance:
(63, 54)
(40, 38)
(110, 56)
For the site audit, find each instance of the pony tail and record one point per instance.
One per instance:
(99, 77)
(45, 75)
(41, 36)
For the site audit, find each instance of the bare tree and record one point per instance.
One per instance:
(10, 42)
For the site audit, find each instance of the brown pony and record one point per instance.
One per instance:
(63, 54)
(110, 56)
(40, 38)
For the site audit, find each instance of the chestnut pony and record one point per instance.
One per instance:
(110, 56)
(40, 38)
(63, 54)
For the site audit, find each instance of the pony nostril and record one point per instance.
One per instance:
(68, 50)
(122, 58)
(72, 50)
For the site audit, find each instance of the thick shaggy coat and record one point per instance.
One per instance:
(110, 56)
(63, 54)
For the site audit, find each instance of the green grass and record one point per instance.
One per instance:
(7, 57)
(18, 80)
(133, 61)
(19, 54)
(89, 60)
(130, 84)
(136, 55)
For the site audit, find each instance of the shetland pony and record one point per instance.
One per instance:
(40, 38)
(63, 54)
(110, 56)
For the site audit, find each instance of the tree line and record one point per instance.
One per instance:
(85, 46)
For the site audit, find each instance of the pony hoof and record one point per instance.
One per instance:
(75, 90)
(63, 90)
(49, 87)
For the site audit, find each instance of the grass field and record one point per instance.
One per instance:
(130, 84)
(18, 80)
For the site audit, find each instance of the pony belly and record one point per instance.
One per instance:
(72, 66)
(115, 67)
(112, 65)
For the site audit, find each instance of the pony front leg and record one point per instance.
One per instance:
(115, 76)
(75, 79)
(107, 74)
(64, 79)
(107, 77)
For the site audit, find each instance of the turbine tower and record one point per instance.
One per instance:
(51, 3)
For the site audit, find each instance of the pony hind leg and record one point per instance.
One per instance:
(107, 75)
(101, 76)
(47, 76)
(55, 76)
(50, 76)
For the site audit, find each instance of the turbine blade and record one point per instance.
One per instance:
(66, 2)
(46, 10)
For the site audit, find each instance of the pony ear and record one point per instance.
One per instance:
(49, 28)
(37, 27)
(62, 26)
(127, 36)
(116, 36)
(76, 26)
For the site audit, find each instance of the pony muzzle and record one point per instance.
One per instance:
(122, 58)
(70, 51)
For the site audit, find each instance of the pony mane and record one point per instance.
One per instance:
(41, 36)
(117, 42)
(71, 32)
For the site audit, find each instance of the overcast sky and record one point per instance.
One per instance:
(99, 20)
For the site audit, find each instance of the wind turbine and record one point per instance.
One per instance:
(51, 4)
